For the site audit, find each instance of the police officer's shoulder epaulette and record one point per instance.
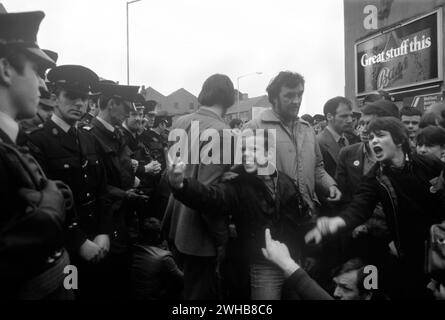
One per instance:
(34, 130)
(33, 147)
(87, 128)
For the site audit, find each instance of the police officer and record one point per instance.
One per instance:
(45, 108)
(115, 103)
(140, 155)
(154, 140)
(72, 155)
(32, 254)
(144, 166)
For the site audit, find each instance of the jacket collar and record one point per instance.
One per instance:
(63, 137)
(105, 124)
(205, 111)
(9, 126)
(270, 115)
(60, 122)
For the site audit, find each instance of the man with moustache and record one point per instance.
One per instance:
(71, 154)
(298, 153)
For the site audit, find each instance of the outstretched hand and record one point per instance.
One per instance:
(175, 173)
(278, 253)
(325, 226)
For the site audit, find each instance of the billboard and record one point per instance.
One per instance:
(406, 55)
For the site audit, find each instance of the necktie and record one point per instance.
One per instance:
(342, 142)
(72, 132)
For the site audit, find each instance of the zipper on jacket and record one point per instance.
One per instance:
(395, 219)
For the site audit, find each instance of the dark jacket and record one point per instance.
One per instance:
(409, 205)
(155, 275)
(117, 163)
(253, 208)
(350, 170)
(81, 167)
(120, 177)
(31, 232)
(329, 149)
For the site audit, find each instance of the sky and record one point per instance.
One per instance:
(178, 44)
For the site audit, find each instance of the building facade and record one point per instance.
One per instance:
(396, 46)
(247, 108)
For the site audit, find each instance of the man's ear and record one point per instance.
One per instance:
(275, 102)
(5, 72)
(329, 117)
(442, 153)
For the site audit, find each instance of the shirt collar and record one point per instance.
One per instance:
(368, 154)
(9, 126)
(60, 122)
(107, 126)
(335, 135)
(124, 125)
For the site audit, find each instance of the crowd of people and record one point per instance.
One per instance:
(88, 180)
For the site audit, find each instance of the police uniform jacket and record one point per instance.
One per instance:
(79, 165)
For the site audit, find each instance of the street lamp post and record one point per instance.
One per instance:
(237, 83)
(128, 43)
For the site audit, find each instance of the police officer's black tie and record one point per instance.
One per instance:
(72, 132)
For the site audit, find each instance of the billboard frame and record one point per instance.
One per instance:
(439, 25)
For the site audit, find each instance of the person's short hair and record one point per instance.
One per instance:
(431, 136)
(319, 117)
(355, 264)
(385, 95)
(373, 97)
(15, 57)
(217, 89)
(356, 115)
(434, 116)
(438, 108)
(429, 119)
(410, 111)
(308, 118)
(160, 120)
(381, 108)
(370, 98)
(283, 79)
(235, 123)
(104, 100)
(395, 127)
(150, 231)
(332, 104)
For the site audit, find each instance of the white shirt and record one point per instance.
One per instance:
(9, 126)
(61, 123)
(107, 126)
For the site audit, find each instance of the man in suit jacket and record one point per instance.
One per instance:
(196, 239)
(338, 112)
